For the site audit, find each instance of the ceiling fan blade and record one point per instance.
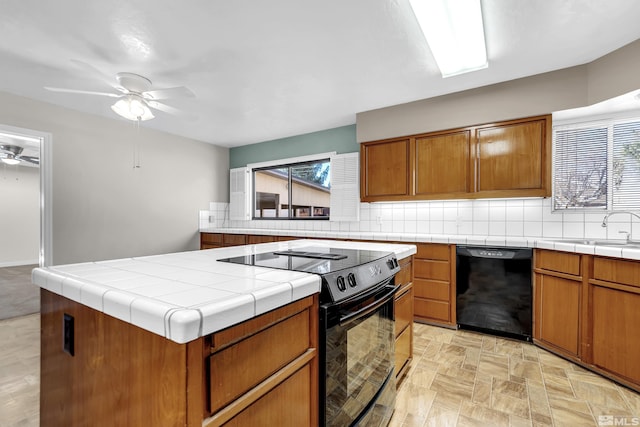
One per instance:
(106, 78)
(82, 92)
(30, 159)
(170, 110)
(171, 92)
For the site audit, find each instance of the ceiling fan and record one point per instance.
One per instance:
(135, 97)
(10, 154)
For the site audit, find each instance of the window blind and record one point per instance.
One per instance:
(596, 165)
(626, 166)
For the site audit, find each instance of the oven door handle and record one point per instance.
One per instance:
(369, 308)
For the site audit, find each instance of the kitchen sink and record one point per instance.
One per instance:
(605, 242)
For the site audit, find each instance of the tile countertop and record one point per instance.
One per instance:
(566, 245)
(186, 295)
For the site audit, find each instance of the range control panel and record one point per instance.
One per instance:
(344, 284)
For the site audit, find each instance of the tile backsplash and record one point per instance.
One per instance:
(530, 217)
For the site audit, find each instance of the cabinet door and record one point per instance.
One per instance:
(511, 156)
(287, 405)
(385, 170)
(442, 164)
(615, 319)
(557, 310)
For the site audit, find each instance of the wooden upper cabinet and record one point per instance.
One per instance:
(506, 159)
(385, 170)
(442, 163)
(511, 157)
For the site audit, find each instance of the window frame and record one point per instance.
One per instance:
(608, 121)
(288, 162)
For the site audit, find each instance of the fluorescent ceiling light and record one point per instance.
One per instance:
(455, 33)
(132, 107)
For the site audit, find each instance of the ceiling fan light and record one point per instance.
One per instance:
(10, 160)
(132, 107)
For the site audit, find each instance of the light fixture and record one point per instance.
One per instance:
(132, 107)
(10, 159)
(455, 33)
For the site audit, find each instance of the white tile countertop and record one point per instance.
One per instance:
(186, 295)
(567, 245)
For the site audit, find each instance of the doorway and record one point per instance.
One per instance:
(24, 217)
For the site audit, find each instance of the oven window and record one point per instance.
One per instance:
(359, 360)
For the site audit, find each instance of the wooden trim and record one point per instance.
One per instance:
(453, 286)
(586, 325)
(196, 395)
(260, 390)
(617, 286)
(557, 274)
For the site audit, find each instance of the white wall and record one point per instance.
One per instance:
(19, 215)
(609, 76)
(103, 208)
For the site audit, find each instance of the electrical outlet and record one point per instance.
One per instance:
(212, 219)
(68, 334)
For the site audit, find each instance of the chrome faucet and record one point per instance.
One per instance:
(606, 217)
(626, 233)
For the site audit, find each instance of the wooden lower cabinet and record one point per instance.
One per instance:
(557, 312)
(559, 280)
(403, 311)
(434, 284)
(614, 294)
(261, 372)
(210, 240)
(219, 240)
(586, 309)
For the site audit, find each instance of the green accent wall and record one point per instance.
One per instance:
(340, 140)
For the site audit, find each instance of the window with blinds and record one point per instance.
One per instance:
(596, 165)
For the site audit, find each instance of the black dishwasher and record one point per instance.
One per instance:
(493, 290)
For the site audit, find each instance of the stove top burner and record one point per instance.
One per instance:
(345, 272)
(304, 254)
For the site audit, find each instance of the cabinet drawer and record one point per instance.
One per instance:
(253, 239)
(561, 262)
(431, 310)
(403, 310)
(234, 239)
(288, 404)
(403, 349)
(211, 238)
(404, 275)
(209, 246)
(239, 367)
(427, 269)
(617, 271)
(435, 251)
(431, 289)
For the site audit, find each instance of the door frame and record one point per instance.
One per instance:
(45, 255)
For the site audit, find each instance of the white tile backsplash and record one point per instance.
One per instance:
(493, 218)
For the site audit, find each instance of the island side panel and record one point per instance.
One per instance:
(119, 374)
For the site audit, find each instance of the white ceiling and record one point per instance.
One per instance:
(263, 70)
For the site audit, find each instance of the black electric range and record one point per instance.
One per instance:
(345, 273)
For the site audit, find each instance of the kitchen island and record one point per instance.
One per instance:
(182, 339)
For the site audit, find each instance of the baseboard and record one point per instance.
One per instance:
(18, 263)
